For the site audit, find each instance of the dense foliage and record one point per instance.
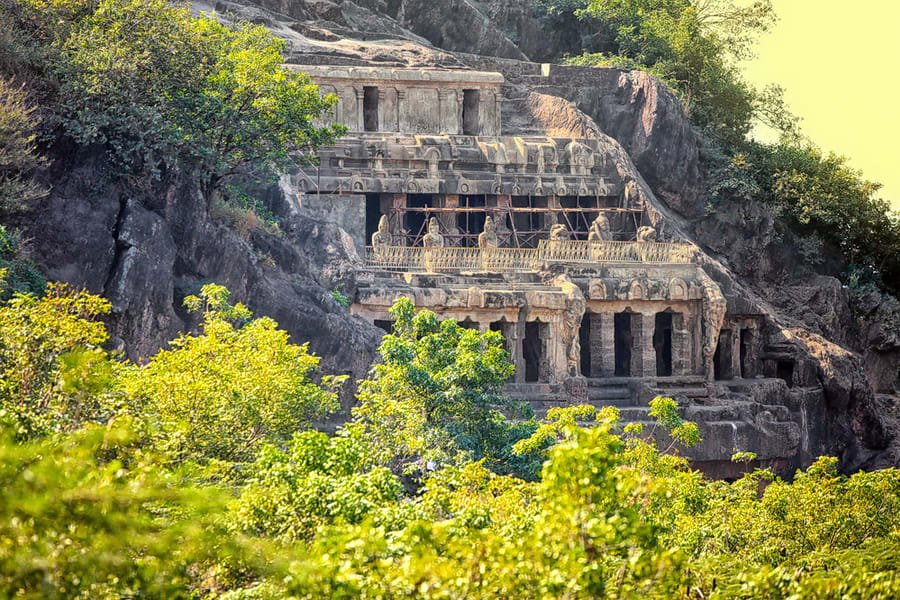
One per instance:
(108, 491)
(207, 388)
(165, 91)
(436, 393)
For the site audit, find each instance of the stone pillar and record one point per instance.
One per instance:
(646, 349)
(446, 110)
(681, 358)
(551, 219)
(608, 344)
(551, 367)
(448, 220)
(503, 202)
(485, 114)
(397, 204)
(517, 340)
(736, 350)
(360, 109)
(382, 122)
(402, 125)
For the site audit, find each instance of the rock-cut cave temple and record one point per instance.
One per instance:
(548, 240)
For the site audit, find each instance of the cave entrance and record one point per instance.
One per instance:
(624, 341)
(662, 343)
(784, 369)
(584, 338)
(533, 350)
(723, 359)
(386, 325)
(373, 216)
(468, 323)
(370, 108)
(470, 117)
(747, 360)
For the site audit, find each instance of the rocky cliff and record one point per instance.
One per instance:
(147, 251)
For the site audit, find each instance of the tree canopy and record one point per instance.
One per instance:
(100, 496)
(163, 90)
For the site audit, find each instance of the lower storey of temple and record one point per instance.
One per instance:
(619, 335)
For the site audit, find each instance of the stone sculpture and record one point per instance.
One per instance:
(382, 237)
(646, 234)
(488, 238)
(433, 239)
(599, 231)
(572, 317)
(559, 233)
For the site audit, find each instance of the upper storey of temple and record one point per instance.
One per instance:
(412, 101)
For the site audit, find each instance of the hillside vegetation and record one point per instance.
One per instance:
(199, 474)
(695, 46)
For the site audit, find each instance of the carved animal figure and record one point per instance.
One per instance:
(559, 233)
(646, 234)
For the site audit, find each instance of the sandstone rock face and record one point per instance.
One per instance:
(645, 117)
(147, 253)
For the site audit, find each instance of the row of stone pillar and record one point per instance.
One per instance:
(637, 344)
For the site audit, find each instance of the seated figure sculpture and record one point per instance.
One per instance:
(432, 242)
(381, 239)
(599, 232)
(433, 239)
(559, 233)
(382, 236)
(488, 240)
(646, 235)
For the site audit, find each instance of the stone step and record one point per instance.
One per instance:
(689, 392)
(617, 402)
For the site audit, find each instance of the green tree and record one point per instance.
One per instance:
(694, 45)
(238, 385)
(435, 393)
(18, 157)
(318, 480)
(164, 90)
(91, 515)
(50, 354)
(821, 193)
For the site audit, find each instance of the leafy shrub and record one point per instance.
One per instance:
(53, 371)
(18, 273)
(225, 393)
(318, 480)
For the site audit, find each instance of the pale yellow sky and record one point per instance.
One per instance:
(839, 63)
